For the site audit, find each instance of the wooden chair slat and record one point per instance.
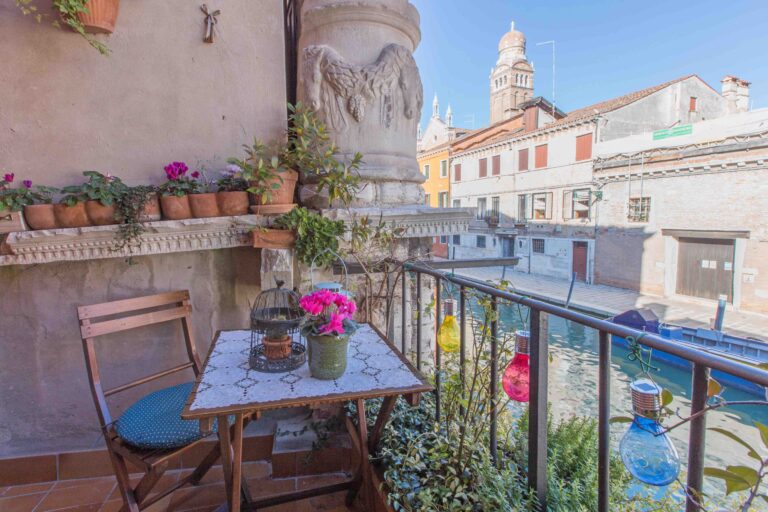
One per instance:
(148, 378)
(132, 322)
(128, 305)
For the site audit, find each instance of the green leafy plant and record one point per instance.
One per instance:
(315, 234)
(103, 188)
(73, 194)
(311, 152)
(262, 167)
(65, 11)
(232, 180)
(15, 199)
(739, 478)
(130, 205)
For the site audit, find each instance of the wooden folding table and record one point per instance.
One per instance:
(229, 391)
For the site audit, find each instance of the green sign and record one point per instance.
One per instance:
(676, 131)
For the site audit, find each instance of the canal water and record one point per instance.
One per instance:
(573, 376)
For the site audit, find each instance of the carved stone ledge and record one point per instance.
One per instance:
(418, 221)
(98, 242)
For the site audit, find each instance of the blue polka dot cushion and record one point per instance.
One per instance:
(154, 422)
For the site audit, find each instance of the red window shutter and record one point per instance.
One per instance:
(483, 167)
(541, 156)
(522, 160)
(457, 172)
(496, 165)
(584, 147)
(692, 104)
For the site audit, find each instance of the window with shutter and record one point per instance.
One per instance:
(542, 206)
(426, 171)
(496, 165)
(567, 204)
(584, 147)
(522, 160)
(457, 172)
(692, 104)
(522, 208)
(444, 168)
(541, 156)
(483, 167)
(581, 203)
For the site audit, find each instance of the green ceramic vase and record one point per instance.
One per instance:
(327, 356)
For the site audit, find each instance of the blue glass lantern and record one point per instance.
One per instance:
(647, 452)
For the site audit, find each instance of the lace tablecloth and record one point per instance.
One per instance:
(227, 382)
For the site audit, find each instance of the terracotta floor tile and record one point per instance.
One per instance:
(2, 490)
(67, 494)
(308, 482)
(84, 482)
(213, 476)
(267, 486)
(191, 498)
(20, 503)
(111, 506)
(81, 508)
(260, 469)
(165, 481)
(20, 490)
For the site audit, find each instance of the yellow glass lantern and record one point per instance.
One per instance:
(449, 335)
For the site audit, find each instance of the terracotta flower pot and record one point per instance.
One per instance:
(204, 205)
(176, 208)
(283, 194)
(99, 214)
(101, 16)
(273, 238)
(277, 348)
(151, 210)
(40, 216)
(71, 216)
(232, 203)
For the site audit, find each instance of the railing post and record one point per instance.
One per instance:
(494, 377)
(438, 362)
(604, 425)
(697, 437)
(404, 309)
(418, 320)
(462, 343)
(537, 411)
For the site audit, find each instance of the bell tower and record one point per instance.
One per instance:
(511, 80)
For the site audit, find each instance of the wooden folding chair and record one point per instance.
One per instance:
(122, 315)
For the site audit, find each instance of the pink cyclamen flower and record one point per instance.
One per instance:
(336, 324)
(310, 305)
(8, 178)
(27, 183)
(175, 170)
(195, 174)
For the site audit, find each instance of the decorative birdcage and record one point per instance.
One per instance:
(276, 341)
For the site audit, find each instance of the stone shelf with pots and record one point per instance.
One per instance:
(98, 242)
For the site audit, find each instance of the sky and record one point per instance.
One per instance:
(604, 48)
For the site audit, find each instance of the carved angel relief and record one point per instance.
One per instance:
(338, 90)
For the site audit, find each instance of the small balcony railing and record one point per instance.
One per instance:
(702, 363)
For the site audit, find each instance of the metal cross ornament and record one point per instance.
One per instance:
(210, 22)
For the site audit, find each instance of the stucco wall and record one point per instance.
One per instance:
(162, 95)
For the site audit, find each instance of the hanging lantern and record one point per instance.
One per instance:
(517, 377)
(646, 450)
(449, 335)
(333, 286)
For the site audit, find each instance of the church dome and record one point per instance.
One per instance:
(512, 39)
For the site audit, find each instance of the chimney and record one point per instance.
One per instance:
(736, 91)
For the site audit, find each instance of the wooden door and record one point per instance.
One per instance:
(580, 260)
(508, 247)
(705, 268)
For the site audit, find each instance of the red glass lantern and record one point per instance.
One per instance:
(517, 379)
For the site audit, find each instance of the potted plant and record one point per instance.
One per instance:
(232, 196)
(271, 183)
(82, 16)
(310, 151)
(327, 329)
(70, 212)
(174, 198)
(102, 191)
(34, 202)
(202, 201)
(314, 235)
(277, 344)
(270, 238)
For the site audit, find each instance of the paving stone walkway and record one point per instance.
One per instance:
(607, 300)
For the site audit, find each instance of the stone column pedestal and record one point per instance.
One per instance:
(356, 69)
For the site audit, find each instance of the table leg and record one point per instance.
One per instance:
(364, 465)
(381, 421)
(226, 458)
(237, 465)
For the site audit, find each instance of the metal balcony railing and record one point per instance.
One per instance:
(702, 363)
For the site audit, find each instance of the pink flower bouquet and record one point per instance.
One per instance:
(329, 314)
